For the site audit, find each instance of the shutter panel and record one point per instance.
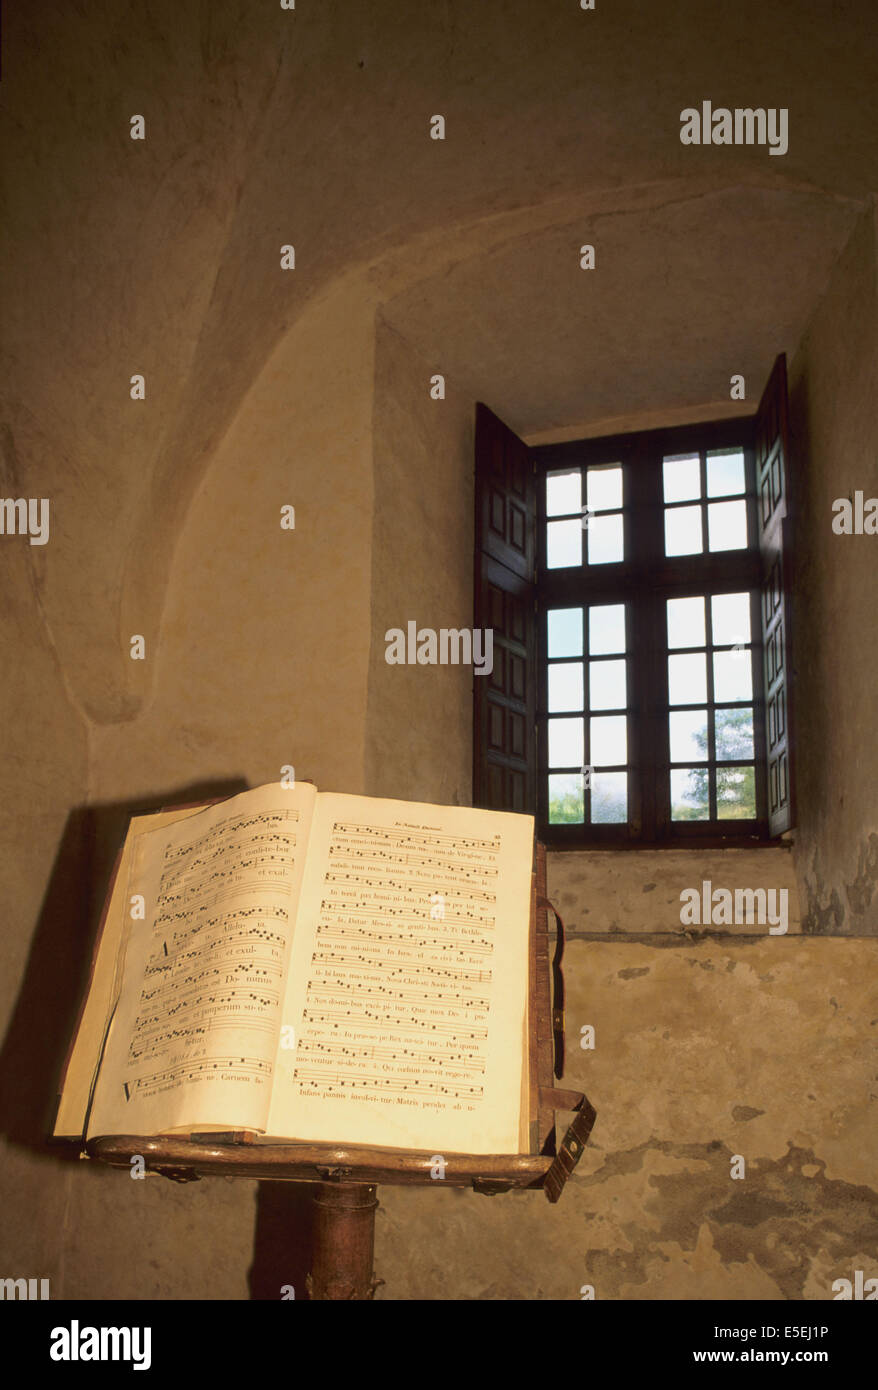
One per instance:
(772, 503)
(504, 740)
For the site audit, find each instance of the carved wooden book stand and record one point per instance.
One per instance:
(347, 1176)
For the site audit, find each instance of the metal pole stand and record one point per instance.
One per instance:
(344, 1242)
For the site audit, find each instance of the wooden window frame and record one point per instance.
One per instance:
(644, 581)
(513, 586)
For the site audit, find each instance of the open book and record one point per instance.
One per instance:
(316, 967)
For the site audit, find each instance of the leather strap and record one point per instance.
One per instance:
(584, 1113)
(574, 1140)
(557, 987)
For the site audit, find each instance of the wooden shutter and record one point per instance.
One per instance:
(504, 738)
(772, 501)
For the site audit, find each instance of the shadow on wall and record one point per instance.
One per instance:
(283, 1239)
(832, 904)
(55, 978)
(810, 732)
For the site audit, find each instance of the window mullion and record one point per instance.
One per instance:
(712, 767)
(647, 547)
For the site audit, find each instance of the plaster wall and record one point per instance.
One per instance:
(638, 892)
(162, 258)
(261, 658)
(755, 1049)
(43, 888)
(738, 1046)
(260, 661)
(418, 718)
(834, 424)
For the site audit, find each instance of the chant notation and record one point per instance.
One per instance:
(220, 919)
(217, 941)
(222, 851)
(222, 895)
(166, 960)
(420, 914)
(341, 853)
(267, 864)
(225, 922)
(385, 1083)
(467, 945)
(366, 834)
(410, 969)
(355, 1023)
(250, 968)
(457, 1000)
(235, 996)
(465, 1060)
(234, 825)
(369, 1019)
(195, 1071)
(422, 887)
(150, 1042)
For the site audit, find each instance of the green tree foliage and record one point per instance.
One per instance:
(606, 808)
(735, 786)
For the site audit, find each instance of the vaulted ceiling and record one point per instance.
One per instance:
(267, 126)
(688, 288)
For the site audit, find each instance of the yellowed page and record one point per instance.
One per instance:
(524, 1131)
(81, 1065)
(407, 985)
(196, 1026)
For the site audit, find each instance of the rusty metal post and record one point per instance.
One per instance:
(344, 1241)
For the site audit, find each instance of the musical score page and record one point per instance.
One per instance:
(196, 1024)
(408, 978)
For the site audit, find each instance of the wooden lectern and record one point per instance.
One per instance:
(346, 1178)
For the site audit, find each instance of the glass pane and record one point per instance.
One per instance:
(690, 793)
(606, 629)
(606, 684)
(687, 679)
(566, 799)
(604, 488)
(735, 793)
(683, 531)
(727, 525)
(566, 742)
(732, 677)
(609, 740)
(686, 622)
(565, 687)
(725, 472)
(563, 544)
(682, 478)
(563, 493)
(565, 632)
(606, 540)
(688, 729)
(730, 616)
(733, 730)
(609, 798)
